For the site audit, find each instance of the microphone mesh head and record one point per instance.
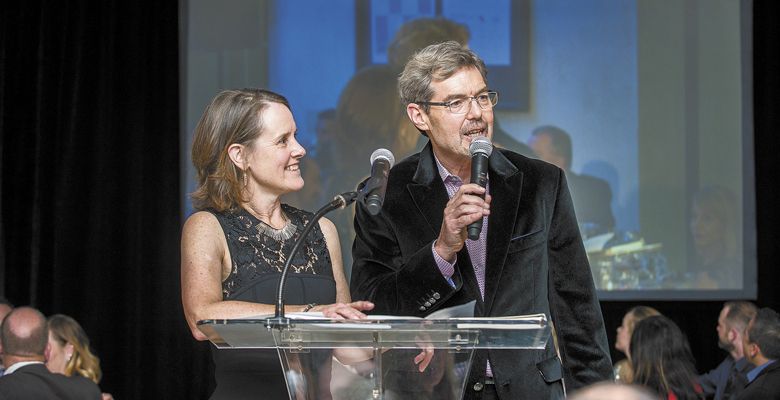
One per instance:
(481, 145)
(383, 153)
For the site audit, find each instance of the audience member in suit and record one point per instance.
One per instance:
(413, 257)
(5, 308)
(662, 361)
(24, 340)
(730, 376)
(592, 196)
(762, 349)
(622, 368)
(70, 352)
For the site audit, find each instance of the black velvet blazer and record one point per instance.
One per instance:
(535, 263)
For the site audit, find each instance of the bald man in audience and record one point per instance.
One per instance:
(612, 391)
(5, 308)
(24, 346)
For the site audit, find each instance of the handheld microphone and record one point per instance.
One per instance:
(480, 150)
(381, 162)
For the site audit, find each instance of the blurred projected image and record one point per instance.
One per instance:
(642, 104)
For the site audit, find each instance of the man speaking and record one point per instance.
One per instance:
(414, 256)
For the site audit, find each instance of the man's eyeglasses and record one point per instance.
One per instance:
(461, 105)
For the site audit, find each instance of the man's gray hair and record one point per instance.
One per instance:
(436, 62)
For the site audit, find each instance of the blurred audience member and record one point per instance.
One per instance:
(715, 228)
(762, 349)
(23, 336)
(369, 116)
(622, 368)
(661, 359)
(592, 196)
(612, 391)
(420, 33)
(730, 376)
(5, 308)
(70, 353)
(327, 154)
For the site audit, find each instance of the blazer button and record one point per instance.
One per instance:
(478, 386)
(432, 300)
(422, 308)
(427, 304)
(436, 295)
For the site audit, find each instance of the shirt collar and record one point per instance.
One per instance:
(20, 364)
(757, 370)
(444, 173)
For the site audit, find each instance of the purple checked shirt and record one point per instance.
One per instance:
(476, 248)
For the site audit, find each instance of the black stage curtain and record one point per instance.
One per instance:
(89, 113)
(90, 213)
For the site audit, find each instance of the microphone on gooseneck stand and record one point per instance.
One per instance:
(480, 150)
(374, 190)
(340, 201)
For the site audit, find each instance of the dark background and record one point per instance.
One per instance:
(89, 177)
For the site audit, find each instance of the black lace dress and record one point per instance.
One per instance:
(258, 260)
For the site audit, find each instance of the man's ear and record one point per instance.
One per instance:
(47, 352)
(237, 153)
(733, 334)
(418, 117)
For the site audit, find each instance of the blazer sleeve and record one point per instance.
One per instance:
(574, 305)
(398, 282)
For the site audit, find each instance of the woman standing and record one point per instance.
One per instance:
(235, 246)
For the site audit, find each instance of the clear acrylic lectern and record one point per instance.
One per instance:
(375, 358)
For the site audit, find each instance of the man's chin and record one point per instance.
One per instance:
(728, 347)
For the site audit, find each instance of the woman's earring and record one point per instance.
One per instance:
(246, 176)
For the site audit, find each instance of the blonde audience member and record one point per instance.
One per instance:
(622, 368)
(70, 353)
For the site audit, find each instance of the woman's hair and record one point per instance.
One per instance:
(436, 62)
(661, 358)
(637, 314)
(232, 117)
(64, 330)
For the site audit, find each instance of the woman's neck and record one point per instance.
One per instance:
(267, 209)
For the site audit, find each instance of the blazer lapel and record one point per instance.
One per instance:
(505, 188)
(430, 198)
(428, 192)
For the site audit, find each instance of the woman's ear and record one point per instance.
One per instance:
(68, 351)
(237, 153)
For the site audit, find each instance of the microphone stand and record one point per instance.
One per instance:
(279, 320)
